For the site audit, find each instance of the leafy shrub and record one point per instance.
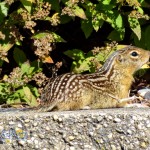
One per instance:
(31, 29)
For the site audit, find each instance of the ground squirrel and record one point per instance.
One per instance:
(106, 88)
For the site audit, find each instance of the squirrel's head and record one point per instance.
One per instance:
(131, 58)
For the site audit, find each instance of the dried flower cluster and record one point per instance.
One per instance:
(8, 40)
(29, 24)
(96, 64)
(56, 68)
(107, 49)
(42, 11)
(24, 14)
(40, 79)
(96, 50)
(9, 2)
(15, 34)
(2, 36)
(69, 9)
(137, 15)
(112, 45)
(134, 3)
(43, 46)
(3, 54)
(58, 64)
(25, 19)
(16, 79)
(55, 19)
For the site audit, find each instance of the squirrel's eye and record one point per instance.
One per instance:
(134, 54)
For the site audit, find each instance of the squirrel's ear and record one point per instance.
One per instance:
(119, 58)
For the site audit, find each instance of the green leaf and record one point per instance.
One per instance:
(36, 65)
(105, 5)
(29, 97)
(25, 68)
(34, 90)
(18, 43)
(3, 10)
(79, 12)
(56, 38)
(81, 66)
(31, 70)
(65, 19)
(84, 65)
(1, 62)
(15, 97)
(141, 1)
(4, 92)
(13, 100)
(97, 21)
(55, 5)
(75, 54)
(4, 47)
(19, 56)
(145, 4)
(118, 25)
(135, 26)
(100, 57)
(27, 4)
(109, 17)
(115, 19)
(147, 37)
(114, 36)
(40, 35)
(6, 44)
(105, 2)
(139, 43)
(118, 21)
(86, 27)
(140, 10)
(141, 72)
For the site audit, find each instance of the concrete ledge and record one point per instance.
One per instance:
(105, 129)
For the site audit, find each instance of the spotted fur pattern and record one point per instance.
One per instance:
(97, 90)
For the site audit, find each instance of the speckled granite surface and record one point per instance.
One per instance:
(105, 129)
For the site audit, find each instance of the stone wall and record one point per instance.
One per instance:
(105, 129)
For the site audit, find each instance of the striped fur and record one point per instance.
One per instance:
(96, 90)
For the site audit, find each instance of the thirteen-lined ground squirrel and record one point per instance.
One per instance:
(103, 89)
